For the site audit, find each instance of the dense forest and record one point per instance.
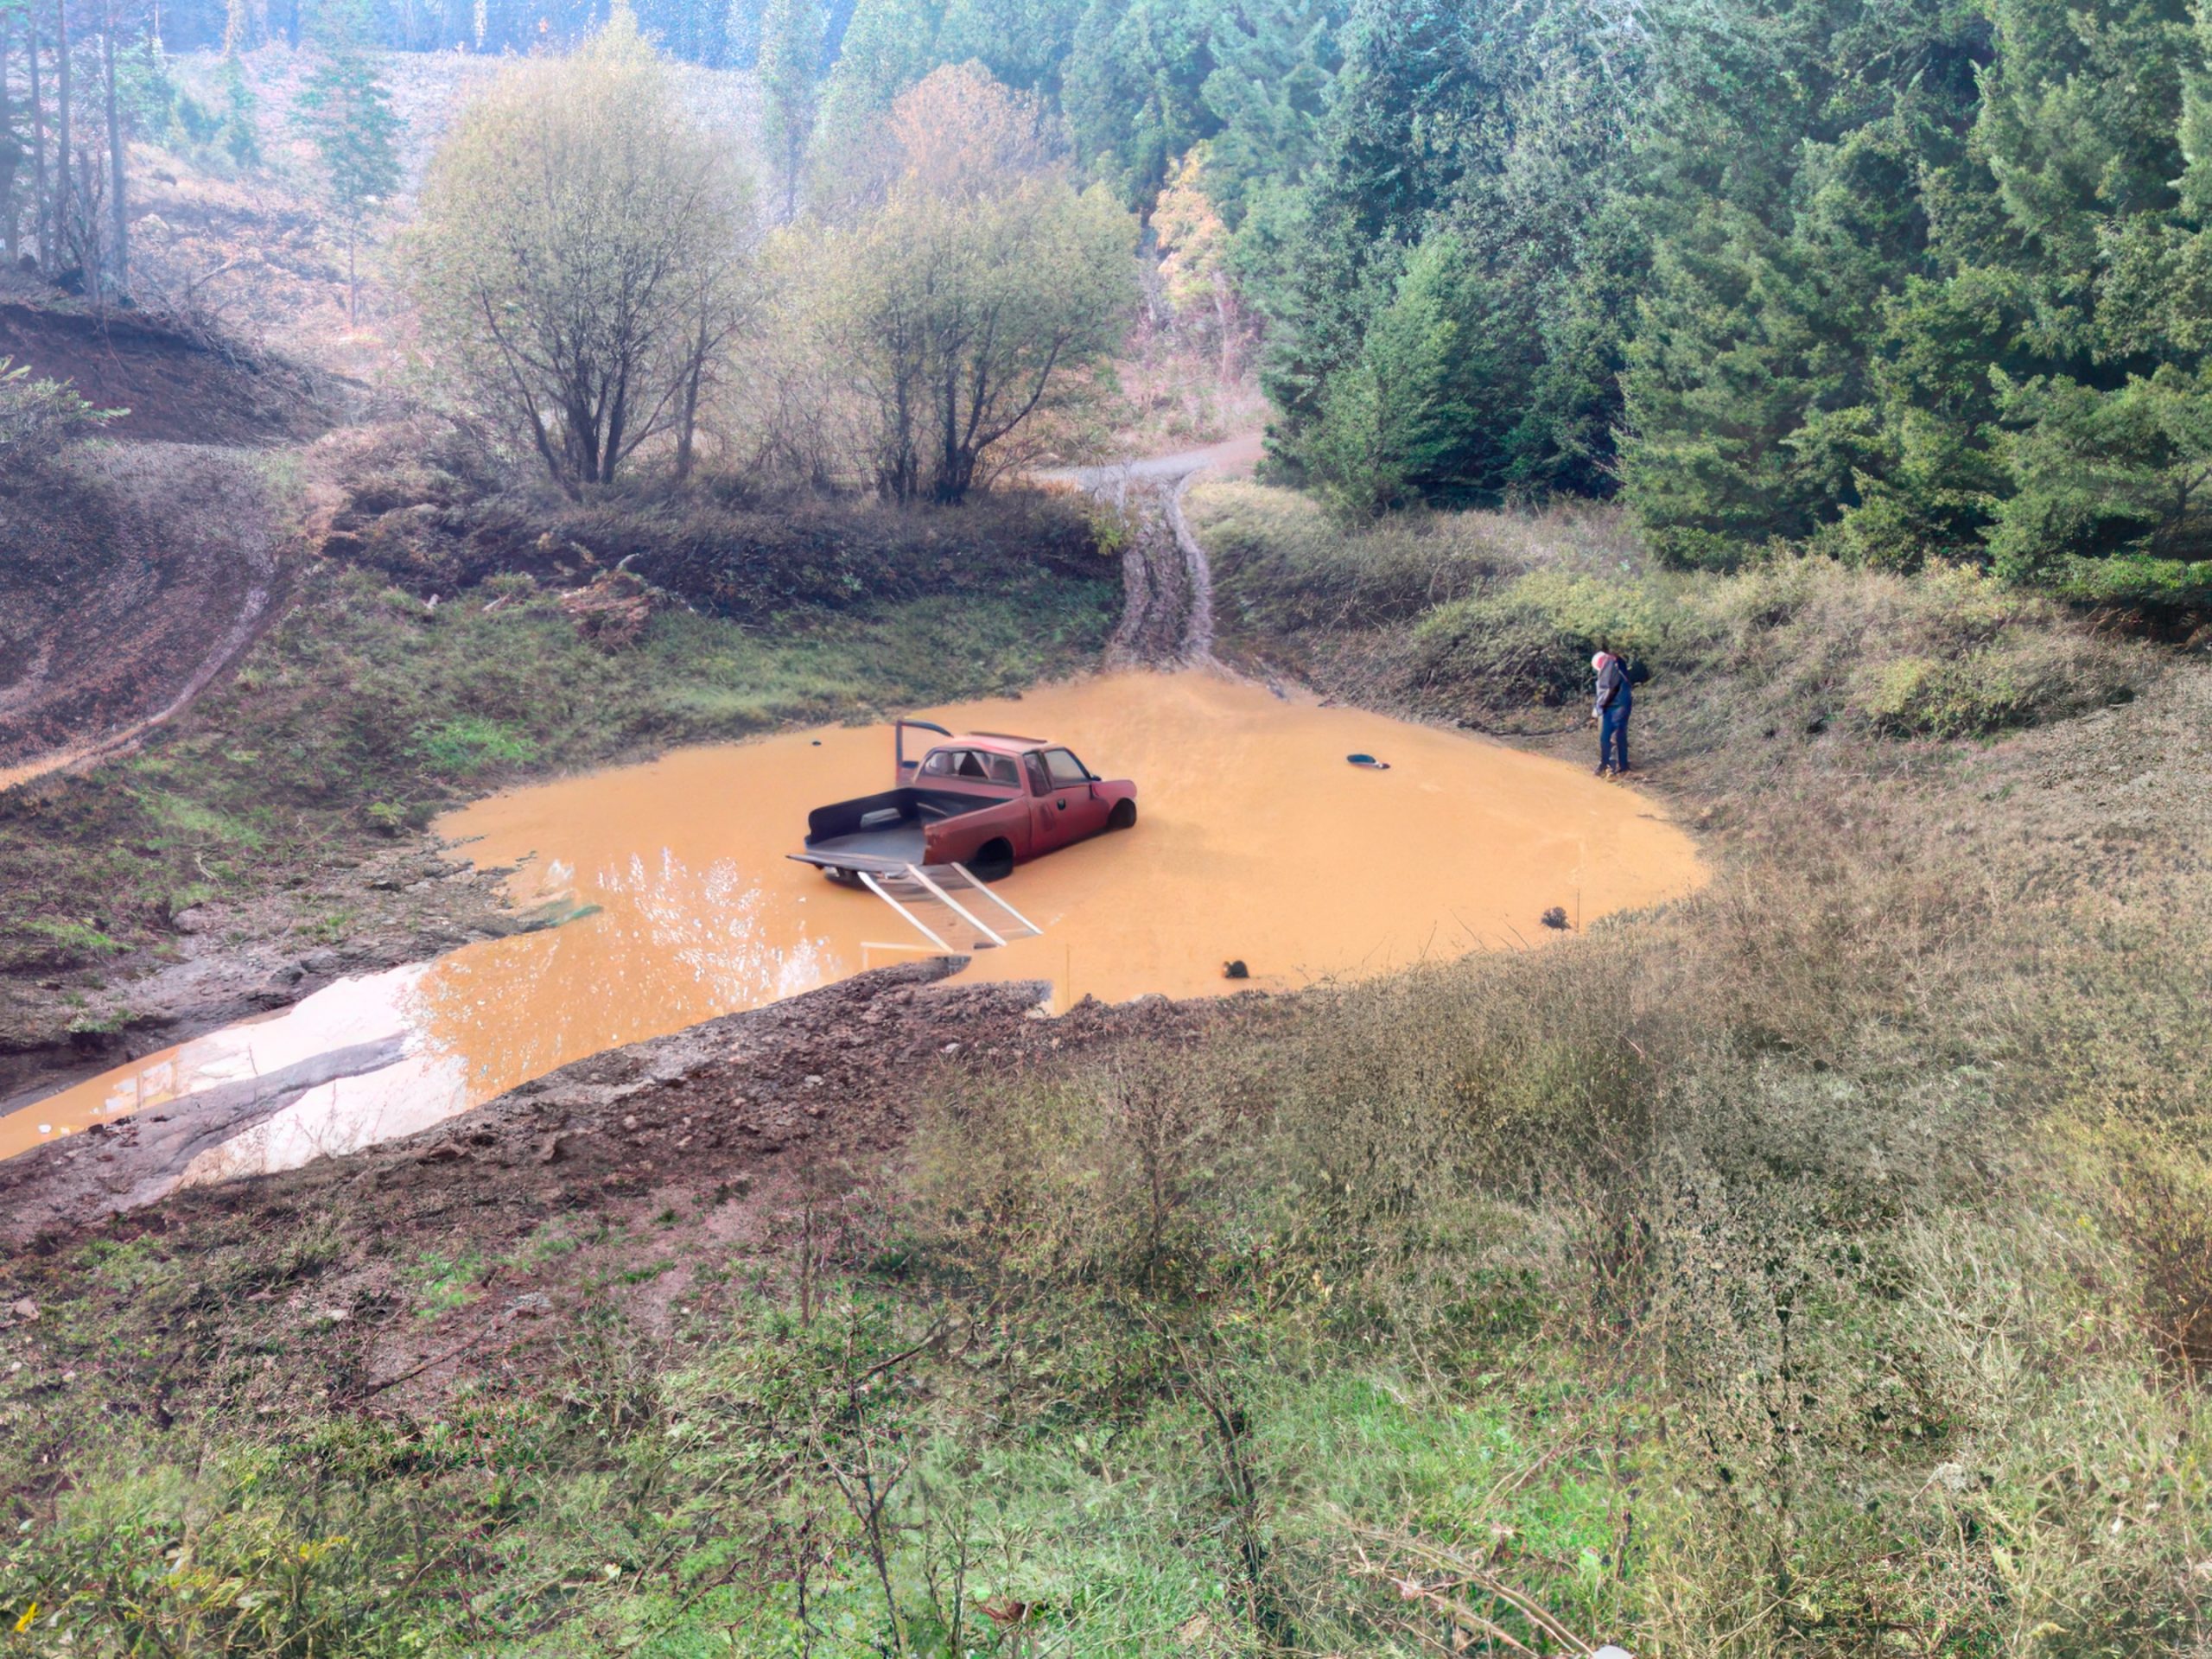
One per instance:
(1893, 281)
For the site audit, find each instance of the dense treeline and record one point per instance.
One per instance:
(1898, 281)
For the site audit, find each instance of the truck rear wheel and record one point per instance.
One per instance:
(1123, 816)
(994, 860)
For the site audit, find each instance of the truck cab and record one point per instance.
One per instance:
(986, 801)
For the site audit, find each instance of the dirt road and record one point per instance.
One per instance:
(133, 575)
(1167, 609)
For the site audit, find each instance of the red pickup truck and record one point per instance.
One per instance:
(985, 800)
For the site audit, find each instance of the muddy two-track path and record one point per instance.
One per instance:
(1167, 586)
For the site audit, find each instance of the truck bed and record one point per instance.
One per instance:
(892, 849)
(882, 832)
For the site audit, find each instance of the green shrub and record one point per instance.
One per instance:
(1531, 639)
(2135, 580)
(1915, 696)
(37, 417)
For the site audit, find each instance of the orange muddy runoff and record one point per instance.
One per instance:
(1256, 842)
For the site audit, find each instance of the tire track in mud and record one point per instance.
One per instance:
(1168, 615)
(223, 553)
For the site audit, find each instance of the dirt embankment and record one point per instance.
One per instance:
(236, 960)
(175, 388)
(130, 577)
(632, 1168)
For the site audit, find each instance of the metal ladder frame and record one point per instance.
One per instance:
(968, 876)
(921, 927)
(921, 878)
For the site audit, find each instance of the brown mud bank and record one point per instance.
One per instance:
(175, 387)
(128, 578)
(616, 1177)
(237, 960)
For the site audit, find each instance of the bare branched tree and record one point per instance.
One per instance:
(976, 288)
(582, 256)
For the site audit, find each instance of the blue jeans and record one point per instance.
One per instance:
(1612, 733)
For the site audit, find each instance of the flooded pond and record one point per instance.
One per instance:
(1255, 843)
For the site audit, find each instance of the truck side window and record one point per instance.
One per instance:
(1001, 769)
(1067, 771)
(1040, 783)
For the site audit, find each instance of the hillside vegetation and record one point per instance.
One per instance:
(1814, 1267)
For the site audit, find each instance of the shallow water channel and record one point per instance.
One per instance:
(1255, 843)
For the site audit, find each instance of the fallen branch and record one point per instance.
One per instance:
(1462, 1573)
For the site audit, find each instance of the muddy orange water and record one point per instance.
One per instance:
(1256, 842)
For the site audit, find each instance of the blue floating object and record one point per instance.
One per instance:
(1368, 761)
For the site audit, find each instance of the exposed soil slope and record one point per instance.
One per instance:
(665, 1154)
(128, 578)
(175, 388)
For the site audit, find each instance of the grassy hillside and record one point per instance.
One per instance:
(1817, 1266)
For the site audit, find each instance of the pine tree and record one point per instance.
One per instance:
(1785, 195)
(791, 47)
(2093, 125)
(1421, 415)
(346, 114)
(1274, 61)
(1136, 90)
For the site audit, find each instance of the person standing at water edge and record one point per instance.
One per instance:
(1610, 711)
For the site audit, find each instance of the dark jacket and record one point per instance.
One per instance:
(1612, 685)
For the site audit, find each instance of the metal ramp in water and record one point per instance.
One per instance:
(957, 914)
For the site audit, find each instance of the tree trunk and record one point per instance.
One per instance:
(64, 231)
(118, 260)
(42, 196)
(8, 215)
(1225, 313)
(687, 428)
(353, 281)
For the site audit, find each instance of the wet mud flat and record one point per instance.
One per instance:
(1256, 844)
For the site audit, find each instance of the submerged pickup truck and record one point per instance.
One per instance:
(986, 800)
